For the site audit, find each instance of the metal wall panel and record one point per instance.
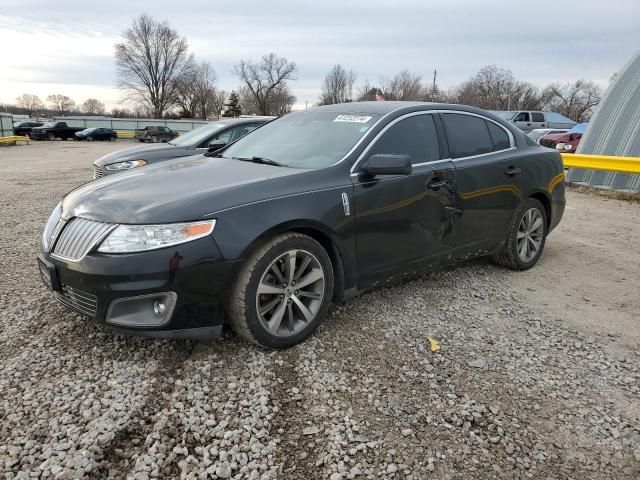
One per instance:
(614, 129)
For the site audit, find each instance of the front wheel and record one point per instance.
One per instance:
(526, 237)
(154, 139)
(51, 137)
(90, 139)
(282, 292)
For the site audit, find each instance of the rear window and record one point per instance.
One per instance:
(499, 137)
(537, 117)
(467, 135)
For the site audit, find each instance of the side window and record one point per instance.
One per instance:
(467, 135)
(225, 136)
(242, 130)
(521, 117)
(537, 117)
(414, 136)
(498, 136)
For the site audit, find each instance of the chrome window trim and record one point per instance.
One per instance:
(431, 112)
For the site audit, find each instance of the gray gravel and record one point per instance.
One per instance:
(516, 391)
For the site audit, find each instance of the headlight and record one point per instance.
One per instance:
(54, 218)
(125, 165)
(139, 238)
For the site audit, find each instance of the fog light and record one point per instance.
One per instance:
(158, 308)
(153, 310)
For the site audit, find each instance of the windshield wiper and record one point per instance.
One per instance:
(254, 159)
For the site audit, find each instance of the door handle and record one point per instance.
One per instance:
(511, 171)
(437, 184)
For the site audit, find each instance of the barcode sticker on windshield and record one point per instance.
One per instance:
(352, 118)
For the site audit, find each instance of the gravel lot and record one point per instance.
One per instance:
(538, 375)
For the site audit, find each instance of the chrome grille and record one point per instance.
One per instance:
(83, 302)
(78, 237)
(97, 172)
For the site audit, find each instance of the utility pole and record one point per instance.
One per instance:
(435, 74)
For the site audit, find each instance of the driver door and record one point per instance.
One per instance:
(403, 223)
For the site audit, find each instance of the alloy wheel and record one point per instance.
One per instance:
(530, 235)
(290, 293)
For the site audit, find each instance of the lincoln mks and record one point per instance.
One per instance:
(312, 208)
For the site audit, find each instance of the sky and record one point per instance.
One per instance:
(69, 49)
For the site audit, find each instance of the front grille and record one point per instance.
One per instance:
(97, 172)
(78, 237)
(83, 302)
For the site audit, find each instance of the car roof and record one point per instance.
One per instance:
(385, 107)
(229, 121)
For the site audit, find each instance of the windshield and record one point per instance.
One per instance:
(196, 136)
(49, 124)
(536, 134)
(504, 114)
(87, 130)
(304, 139)
(579, 128)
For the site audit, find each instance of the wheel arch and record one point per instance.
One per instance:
(320, 233)
(545, 200)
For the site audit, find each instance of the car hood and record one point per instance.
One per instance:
(190, 188)
(557, 137)
(144, 152)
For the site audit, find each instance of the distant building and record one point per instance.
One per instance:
(614, 129)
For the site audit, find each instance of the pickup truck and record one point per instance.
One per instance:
(527, 120)
(53, 130)
(155, 134)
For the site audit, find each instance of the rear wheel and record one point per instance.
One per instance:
(51, 136)
(90, 138)
(526, 237)
(283, 292)
(154, 139)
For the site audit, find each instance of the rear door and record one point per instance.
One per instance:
(488, 188)
(537, 120)
(403, 223)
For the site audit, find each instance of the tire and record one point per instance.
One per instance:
(511, 255)
(247, 309)
(51, 137)
(90, 139)
(154, 139)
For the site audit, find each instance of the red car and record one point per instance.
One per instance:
(565, 142)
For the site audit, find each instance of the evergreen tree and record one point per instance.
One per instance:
(232, 108)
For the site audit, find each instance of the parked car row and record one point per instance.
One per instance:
(266, 229)
(23, 129)
(155, 134)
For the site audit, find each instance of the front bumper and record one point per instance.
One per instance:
(194, 271)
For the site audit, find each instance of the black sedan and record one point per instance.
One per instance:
(314, 207)
(212, 136)
(91, 134)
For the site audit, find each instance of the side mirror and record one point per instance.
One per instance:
(214, 145)
(387, 164)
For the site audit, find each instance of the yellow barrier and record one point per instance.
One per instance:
(14, 138)
(126, 134)
(602, 162)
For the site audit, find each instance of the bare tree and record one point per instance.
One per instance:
(574, 100)
(402, 86)
(93, 106)
(265, 80)
(150, 60)
(61, 103)
(215, 102)
(337, 86)
(30, 102)
(367, 92)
